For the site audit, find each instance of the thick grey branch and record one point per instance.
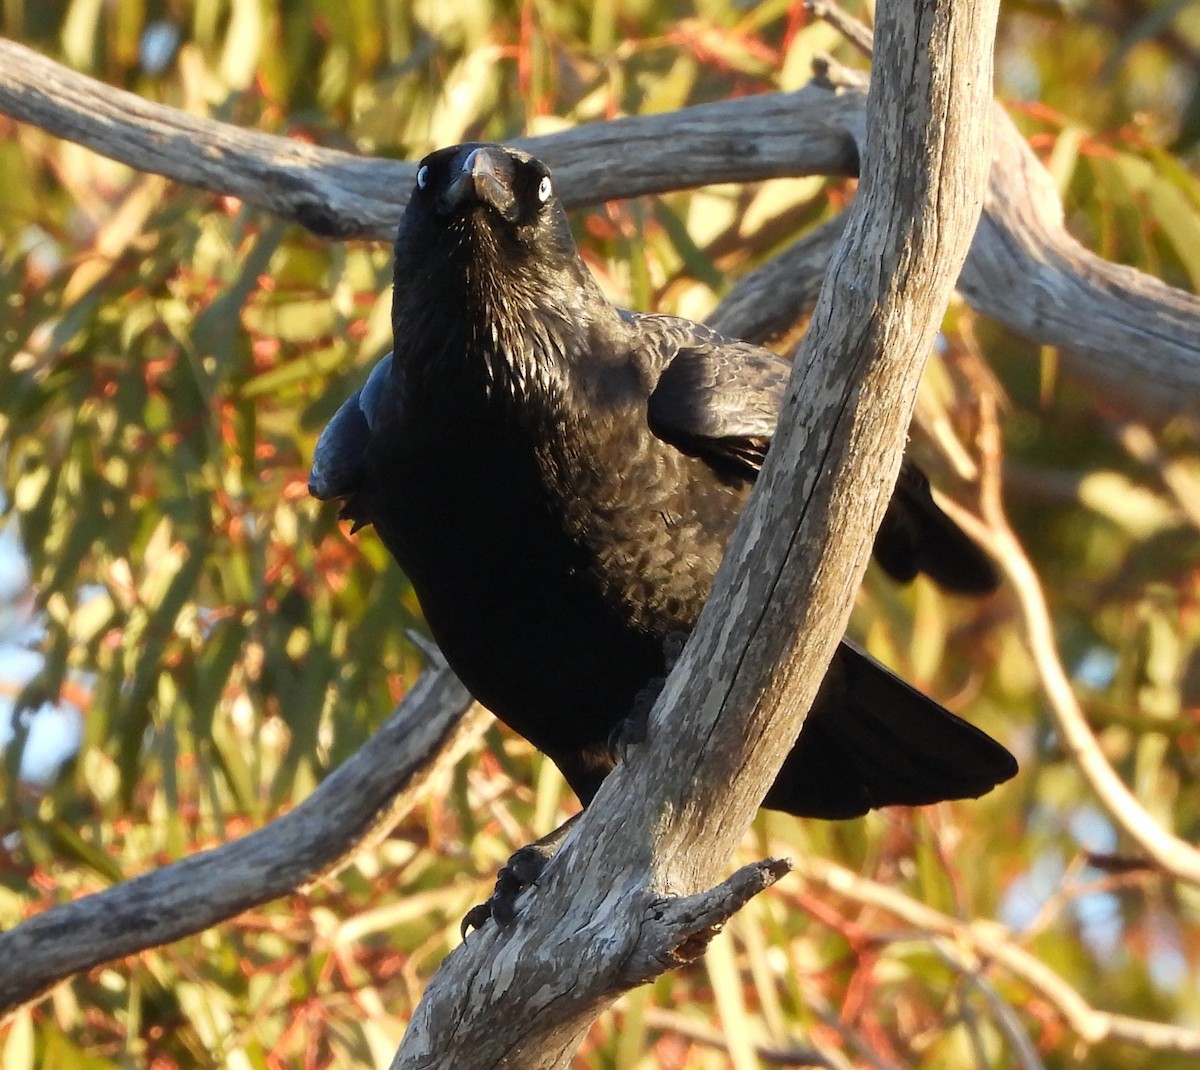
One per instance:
(363, 797)
(677, 931)
(1121, 329)
(339, 195)
(1131, 332)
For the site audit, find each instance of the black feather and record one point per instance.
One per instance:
(559, 479)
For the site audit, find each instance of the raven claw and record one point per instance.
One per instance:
(475, 917)
(521, 871)
(635, 728)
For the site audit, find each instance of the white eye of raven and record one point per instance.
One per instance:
(423, 176)
(544, 189)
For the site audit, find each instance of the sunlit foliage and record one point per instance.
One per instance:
(167, 357)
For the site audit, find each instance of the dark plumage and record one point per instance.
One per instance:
(559, 478)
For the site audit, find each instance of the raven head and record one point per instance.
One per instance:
(487, 274)
(498, 198)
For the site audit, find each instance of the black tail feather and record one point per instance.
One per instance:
(916, 536)
(871, 740)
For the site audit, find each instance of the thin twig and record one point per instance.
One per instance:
(992, 941)
(698, 1032)
(1171, 854)
(857, 33)
(1003, 1015)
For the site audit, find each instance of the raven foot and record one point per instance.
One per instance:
(521, 871)
(673, 648)
(634, 729)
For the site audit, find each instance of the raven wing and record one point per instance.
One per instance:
(338, 461)
(720, 400)
(916, 536)
(714, 397)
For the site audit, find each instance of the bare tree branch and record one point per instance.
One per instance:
(620, 900)
(1131, 334)
(339, 195)
(1121, 329)
(1026, 271)
(362, 799)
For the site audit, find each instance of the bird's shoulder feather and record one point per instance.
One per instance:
(713, 396)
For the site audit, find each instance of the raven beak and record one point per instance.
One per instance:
(486, 178)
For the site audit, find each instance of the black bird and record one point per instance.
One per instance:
(558, 478)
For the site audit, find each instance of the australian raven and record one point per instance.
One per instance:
(558, 478)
